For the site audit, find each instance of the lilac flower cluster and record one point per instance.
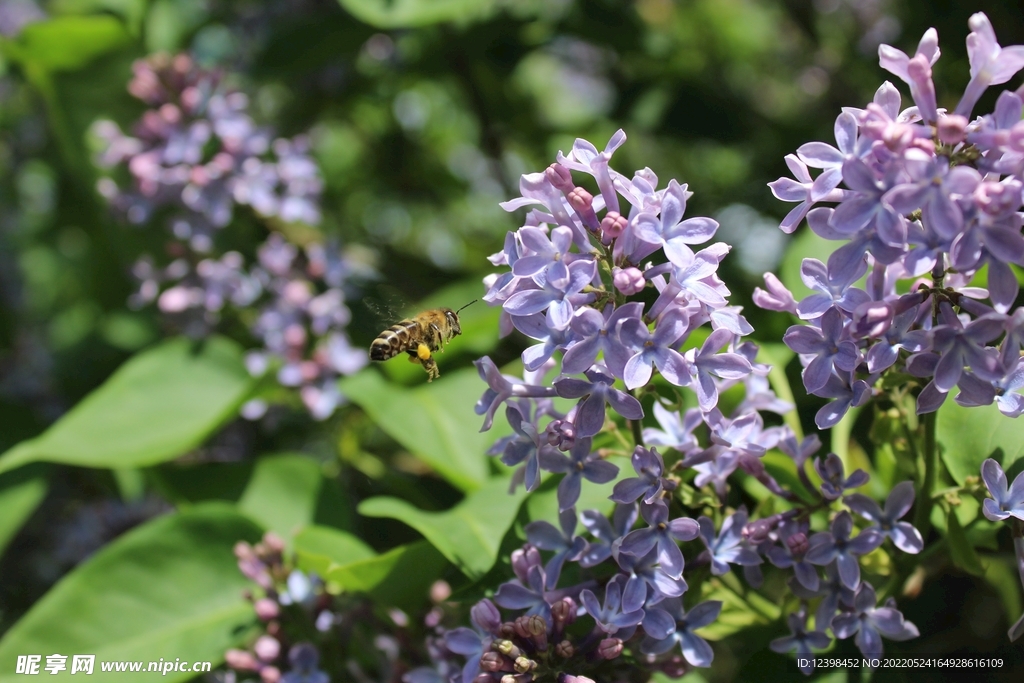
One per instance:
(282, 587)
(196, 153)
(299, 300)
(922, 200)
(577, 268)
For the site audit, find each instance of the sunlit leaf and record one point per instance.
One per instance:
(469, 534)
(157, 406)
(20, 494)
(967, 436)
(435, 421)
(410, 13)
(282, 493)
(322, 549)
(67, 43)
(170, 588)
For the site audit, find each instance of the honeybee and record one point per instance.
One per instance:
(419, 336)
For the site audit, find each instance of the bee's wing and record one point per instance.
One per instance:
(386, 305)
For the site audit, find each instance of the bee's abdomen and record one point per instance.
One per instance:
(393, 340)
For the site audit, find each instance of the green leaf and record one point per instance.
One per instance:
(469, 534)
(968, 436)
(282, 493)
(412, 13)
(400, 577)
(169, 588)
(201, 482)
(158, 405)
(960, 549)
(132, 10)
(322, 549)
(67, 43)
(20, 494)
(434, 421)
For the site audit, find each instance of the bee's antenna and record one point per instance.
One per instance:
(469, 304)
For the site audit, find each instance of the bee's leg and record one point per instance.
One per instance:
(438, 336)
(428, 363)
(413, 358)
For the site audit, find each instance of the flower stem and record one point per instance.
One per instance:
(923, 515)
(638, 436)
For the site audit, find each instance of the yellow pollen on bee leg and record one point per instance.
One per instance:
(423, 351)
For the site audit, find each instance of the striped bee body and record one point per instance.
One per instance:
(419, 336)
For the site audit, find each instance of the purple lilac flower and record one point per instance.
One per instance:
(676, 430)
(597, 333)
(834, 481)
(599, 390)
(828, 347)
(304, 659)
(707, 364)
(886, 521)
(870, 623)
(564, 543)
(646, 580)
(605, 532)
(612, 616)
(1006, 501)
(661, 533)
(837, 546)
(655, 349)
(649, 466)
(695, 649)
(801, 641)
(729, 547)
(793, 553)
(529, 595)
(582, 463)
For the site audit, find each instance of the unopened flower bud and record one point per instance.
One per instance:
(561, 434)
(483, 678)
(756, 532)
(609, 648)
(538, 629)
(493, 662)
(522, 627)
(997, 199)
(508, 678)
(270, 674)
(267, 648)
(798, 544)
(266, 609)
(440, 591)
(486, 615)
(241, 660)
(674, 667)
(612, 226)
(525, 665)
(507, 630)
(560, 177)
(273, 542)
(952, 129)
(524, 558)
(563, 612)
(565, 649)
(580, 200)
(629, 281)
(872, 319)
(507, 648)
(898, 136)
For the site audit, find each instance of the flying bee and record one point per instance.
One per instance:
(419, 336)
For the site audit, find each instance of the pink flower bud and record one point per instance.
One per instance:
(952, 129)
(581, 200)
(270, 674)
(266, 609)
(629, 281)
(267, 648)
(560, 177)
(797, 544)
(609, 648)
(612, 225)
(240, 660)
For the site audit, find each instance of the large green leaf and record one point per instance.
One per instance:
(169, 589)
(967, 436)
(67, 43)
(400, 577)
(157, 406)
(132, 10)
(20, 494)
(282, 492)
(411, 13)
(434, 421)
(322, 549)
(469, 534)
